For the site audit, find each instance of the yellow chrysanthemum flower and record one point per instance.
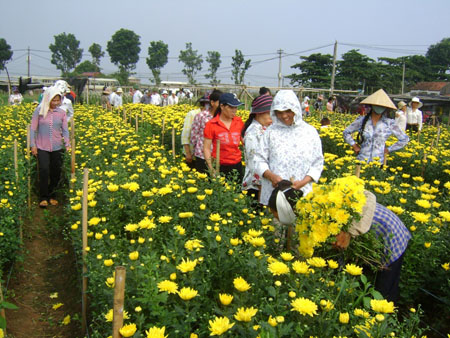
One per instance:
(240, 284)
(245, 314)
(187, 293)
(353, 269)
(156, 332)
(187, 265)
(300, 267)
(128, 330)
(168, 286)
(278, 268)
(219, 326)
(225, 298)
(304, 306)
(382, 306)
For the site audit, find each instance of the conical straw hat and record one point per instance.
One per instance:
(379, 98)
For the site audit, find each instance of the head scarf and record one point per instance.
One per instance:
(49, 94)
(62, 86)
(285, 100)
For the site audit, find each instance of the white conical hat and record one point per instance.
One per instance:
(379, 98)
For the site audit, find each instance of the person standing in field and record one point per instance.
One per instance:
(330, 105)
(106, 104)
(48, 132)
(374, 129)
(414, 115)
(188, 147)
(15, 98)
(117, 100)
(289, 150)
(226, 127)
(198, 128)
(173, 99)
(400, 115)
(254, 129)
(137, 95)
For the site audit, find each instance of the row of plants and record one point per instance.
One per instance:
(200, 261)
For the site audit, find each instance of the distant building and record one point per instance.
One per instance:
(431, 89)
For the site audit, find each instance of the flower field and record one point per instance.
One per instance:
(200, 261)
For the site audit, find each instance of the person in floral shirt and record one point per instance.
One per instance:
(252, 133)
(374, 129)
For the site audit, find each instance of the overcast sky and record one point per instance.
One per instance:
(258, 28)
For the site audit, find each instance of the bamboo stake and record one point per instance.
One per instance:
(72, 145)
(173, 142)
(28, 161)
(358, 170)
(162, 132)
(85, 244)
(142, 116)
(136, 123)
(289, 236)
(119, 295)
(2, 310)
(218, 156)
(16, 167)
(124, 112)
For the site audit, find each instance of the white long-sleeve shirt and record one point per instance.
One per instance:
(173, 100)
(252, 138)
(137, 96)
(414, 117)
(400, 119)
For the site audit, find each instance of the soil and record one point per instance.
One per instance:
(49, 267)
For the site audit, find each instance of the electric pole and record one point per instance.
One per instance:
(28, 61)
(280, 51)
(403, 77)
(334, 69)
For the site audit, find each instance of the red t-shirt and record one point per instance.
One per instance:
(229, 139)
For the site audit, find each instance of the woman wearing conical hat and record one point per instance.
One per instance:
(374, 129)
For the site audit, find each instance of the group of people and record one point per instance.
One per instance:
(409, 118)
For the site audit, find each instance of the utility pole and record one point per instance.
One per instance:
(403, 78)
(334, 69)
(28, 61)
(280, 51)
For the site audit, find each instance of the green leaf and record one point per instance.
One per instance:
(364, 279)
(6, 305)
(271, 291)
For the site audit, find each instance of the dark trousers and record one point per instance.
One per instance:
(201, 166)
(231, 170)
(50, 164)
(412, 127)
(387, 280)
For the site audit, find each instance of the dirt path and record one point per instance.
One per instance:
(48, 268)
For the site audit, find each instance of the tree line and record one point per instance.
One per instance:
(356, 71)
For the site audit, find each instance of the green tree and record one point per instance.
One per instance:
(439, 56)
(355, 71)
(5, 53)
(315, 71)
(214, 61)
(390, 72)
(240, 67)
(158, 53)
(123, 49)
(97, 54)
(66, 52)
(85, 67)
(192, 62)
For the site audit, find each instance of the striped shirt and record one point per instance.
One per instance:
(198, 127)
(48, 133)
(187, 127)
(393, 232)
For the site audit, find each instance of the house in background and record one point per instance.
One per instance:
(430, 89)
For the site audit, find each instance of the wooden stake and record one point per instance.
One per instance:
(124, 116)
(2, 310)
(119, 295)
(28, 154)
(142, 115)
(72, 145)
(84, 224)
(173, 142)
(16, 167)
(217, 156)
(288, 239)
(162, 132)
(136, 123)
(358, 170)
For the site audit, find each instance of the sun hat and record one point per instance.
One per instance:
(204, 98)
(261, 104)
(283, 200)
(164, 92)
(401, 104)
(119, 90)
(379, 98)
(416, 99)
(230, 99)
(306, 98)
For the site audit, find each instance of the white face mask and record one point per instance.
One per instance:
(378, 109)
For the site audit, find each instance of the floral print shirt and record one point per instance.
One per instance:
(198, 127)
(375, 138)
(291, 152)
(252, 138)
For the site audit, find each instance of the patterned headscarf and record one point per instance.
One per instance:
(286, 100)
(49, 94)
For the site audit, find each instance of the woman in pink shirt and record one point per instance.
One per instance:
(48, 131)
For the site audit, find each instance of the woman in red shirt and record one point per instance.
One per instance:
(226, 127)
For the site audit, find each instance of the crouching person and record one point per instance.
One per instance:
(395, 236)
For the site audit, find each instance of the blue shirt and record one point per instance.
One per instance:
(392, 231)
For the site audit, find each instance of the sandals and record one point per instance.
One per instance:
(43, 204)
(53, 201)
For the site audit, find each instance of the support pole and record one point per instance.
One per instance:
(72, 145)
(358, 170)
(84, 224)
(280, 52)
(136, 123)
(16, 166)
(2, 310)
(218, 157)
(28, 156)
(119, 295)
(162, 131)
(173, 142)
